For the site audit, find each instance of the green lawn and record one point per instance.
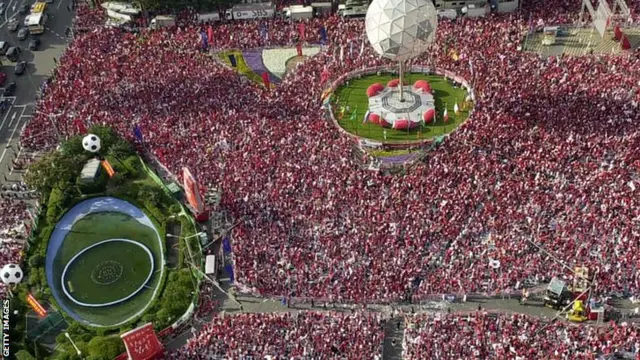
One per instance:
(108, 272)
(354, 95)
(97, 227)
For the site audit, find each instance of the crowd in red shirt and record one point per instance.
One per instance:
(549, 155)
(304, 335)
(512, 337)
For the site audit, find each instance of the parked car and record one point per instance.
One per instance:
(13, 54)
(13, 24)
(23, 33)
(10, 89)
(4, 47)
(34, 44)
(20, 68)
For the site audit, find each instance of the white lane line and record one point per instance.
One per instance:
(12, 167)
(58, 7)
(10, 138)
(6, 11)
(5, 119)
(13, 118)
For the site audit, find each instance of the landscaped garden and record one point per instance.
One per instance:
(98, 254)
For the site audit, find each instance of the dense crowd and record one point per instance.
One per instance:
(548, 156)
(513, 337)
(13, 233)
(307, 335)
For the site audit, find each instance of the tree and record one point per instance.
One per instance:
(24, 355)
(107, 137)
(107, 348)
(54, 170)
(73, 146)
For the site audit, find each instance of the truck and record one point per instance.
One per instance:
(251, 11)
(208, 17)
(162, 21)
(298, 12)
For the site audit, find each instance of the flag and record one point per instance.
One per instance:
(210, 34)
(351, 50)
(470, 66)
(232, 60)
(456, 110)
(205, 41)
(341, 53)
(80, 126)
(324, 76)
(299, 49)
(301, 31)
(361, 48)
(445, 116)
(137, 132)
(323, 35)
(265, 79)
(263, 31)
(354, 115)
(366, 117)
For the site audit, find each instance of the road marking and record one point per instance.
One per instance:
(13, 118)
(10, 138)
(5, 119)
(17, 157)
(6, 12)
(59, 2)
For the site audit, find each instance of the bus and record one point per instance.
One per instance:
(36, 23)
(39, 8)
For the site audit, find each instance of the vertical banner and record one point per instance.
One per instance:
(205, 41)
(232, 60)
(299, 49)
(301, 31)
(323, 35)
(226, 251)
(137, 132)
(35, 305)
(265, 80)
(108, 168)
(191, 190)
(210, 34)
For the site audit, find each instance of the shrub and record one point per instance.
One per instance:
(107, 137)
(24, 355)
(132, 163)
(175, 209)
(36, 260)
(73, 146)
(106, 348)
(55, 205)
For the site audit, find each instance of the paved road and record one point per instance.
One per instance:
(41, 63)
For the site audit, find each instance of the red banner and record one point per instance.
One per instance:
(299, 49)
(301, 31)
(35, 305)
(142, 343)
(265, 79)
(192, 191)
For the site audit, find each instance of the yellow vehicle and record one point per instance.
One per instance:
(39, 7)
(578, 313)
(36, 23)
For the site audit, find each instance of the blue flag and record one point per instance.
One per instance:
(205, 42)
(263, 31)
(137, 132)
(323, 35)
(232, 60)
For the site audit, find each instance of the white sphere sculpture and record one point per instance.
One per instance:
(91, 143)
(401, 29)
(11, 274)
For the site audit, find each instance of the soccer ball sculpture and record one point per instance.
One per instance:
(11, 274)
(91, 143)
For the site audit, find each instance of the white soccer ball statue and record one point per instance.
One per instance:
(91, 143)
(11, 274)
(401, 29)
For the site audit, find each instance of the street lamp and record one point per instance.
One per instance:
(73, 343)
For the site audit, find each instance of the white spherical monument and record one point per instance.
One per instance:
(11, 274)
(91, 143)
(401, 29)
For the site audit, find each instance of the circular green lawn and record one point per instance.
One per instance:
(353, 96)
(100, 270)
(107, 273)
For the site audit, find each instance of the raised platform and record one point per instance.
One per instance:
(388, 105)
